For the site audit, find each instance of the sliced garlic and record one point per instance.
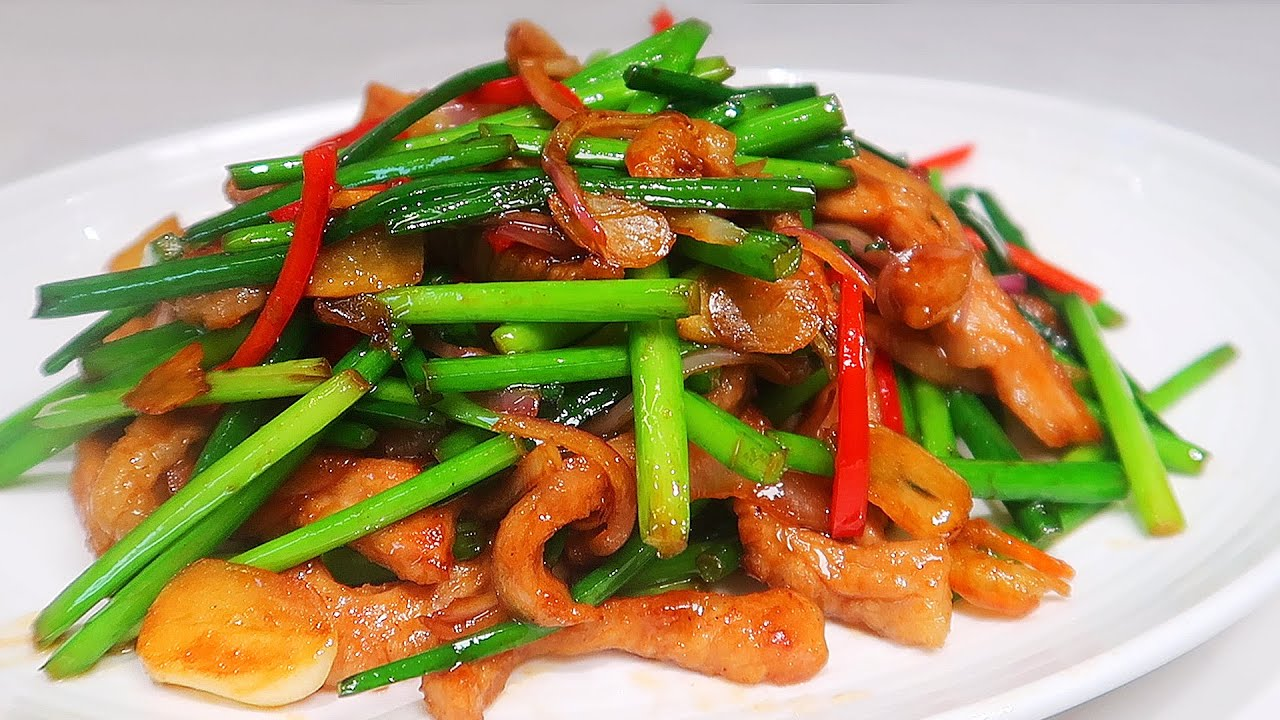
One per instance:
(239, 632)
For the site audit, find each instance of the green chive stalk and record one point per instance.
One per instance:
(431, 486)
(494, 372)
(278, 380)
(90, 338)
(987, 440)
(761, 254)
(1152, 496)
(706, 561)
(348, 435)
(735, 444)
(662, 439)
(1066, 482)
(780, 402)
(153, 283)
(936, 432)
(521, 337)
(791, 126)
(910, 416)
(804, 453)
(547, 301)
(1187, 379)
(208, 490)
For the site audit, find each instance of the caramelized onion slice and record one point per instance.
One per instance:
(570, 204)
(172, 384)
(705, 227)
(635, 235)
(536, 230)
(533, 55)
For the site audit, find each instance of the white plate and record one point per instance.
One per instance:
(1179, 230)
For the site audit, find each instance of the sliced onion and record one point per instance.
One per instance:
(363, 313)
(705, 227)
(636, 235)
(1012, 283)
(532, 229)
(584, 230)
(440, 348)
(857, 238)
(515, 401)
(173, 383)
(614, 420)
(455, 113)
(783, 370)
(532, 53)
(821, 247)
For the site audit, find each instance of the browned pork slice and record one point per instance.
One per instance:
(897, 589)
(136, 473)
(378, 624)
(976, 326)
(775, 636)
(418, 548)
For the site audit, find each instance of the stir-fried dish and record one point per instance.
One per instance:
(529, 363)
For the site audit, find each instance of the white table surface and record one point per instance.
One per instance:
(80, 79)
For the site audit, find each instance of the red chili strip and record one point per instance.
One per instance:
(853, 433)
(346, 137)
(887, 393)
(945, 160)
(1052, 276)
(1045, 272)
(319, 168)
(661, 19)
(513, 91)
(286, 213)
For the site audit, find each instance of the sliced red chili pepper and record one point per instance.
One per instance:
(286, 213)
(1043, 271)
(498, 242)
(506, 91)
(661, 19)
(513, 91)
(853, 433)
(1052, 276)
(887, 392)
(346, 137)
(319, 167)
(945, 160)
